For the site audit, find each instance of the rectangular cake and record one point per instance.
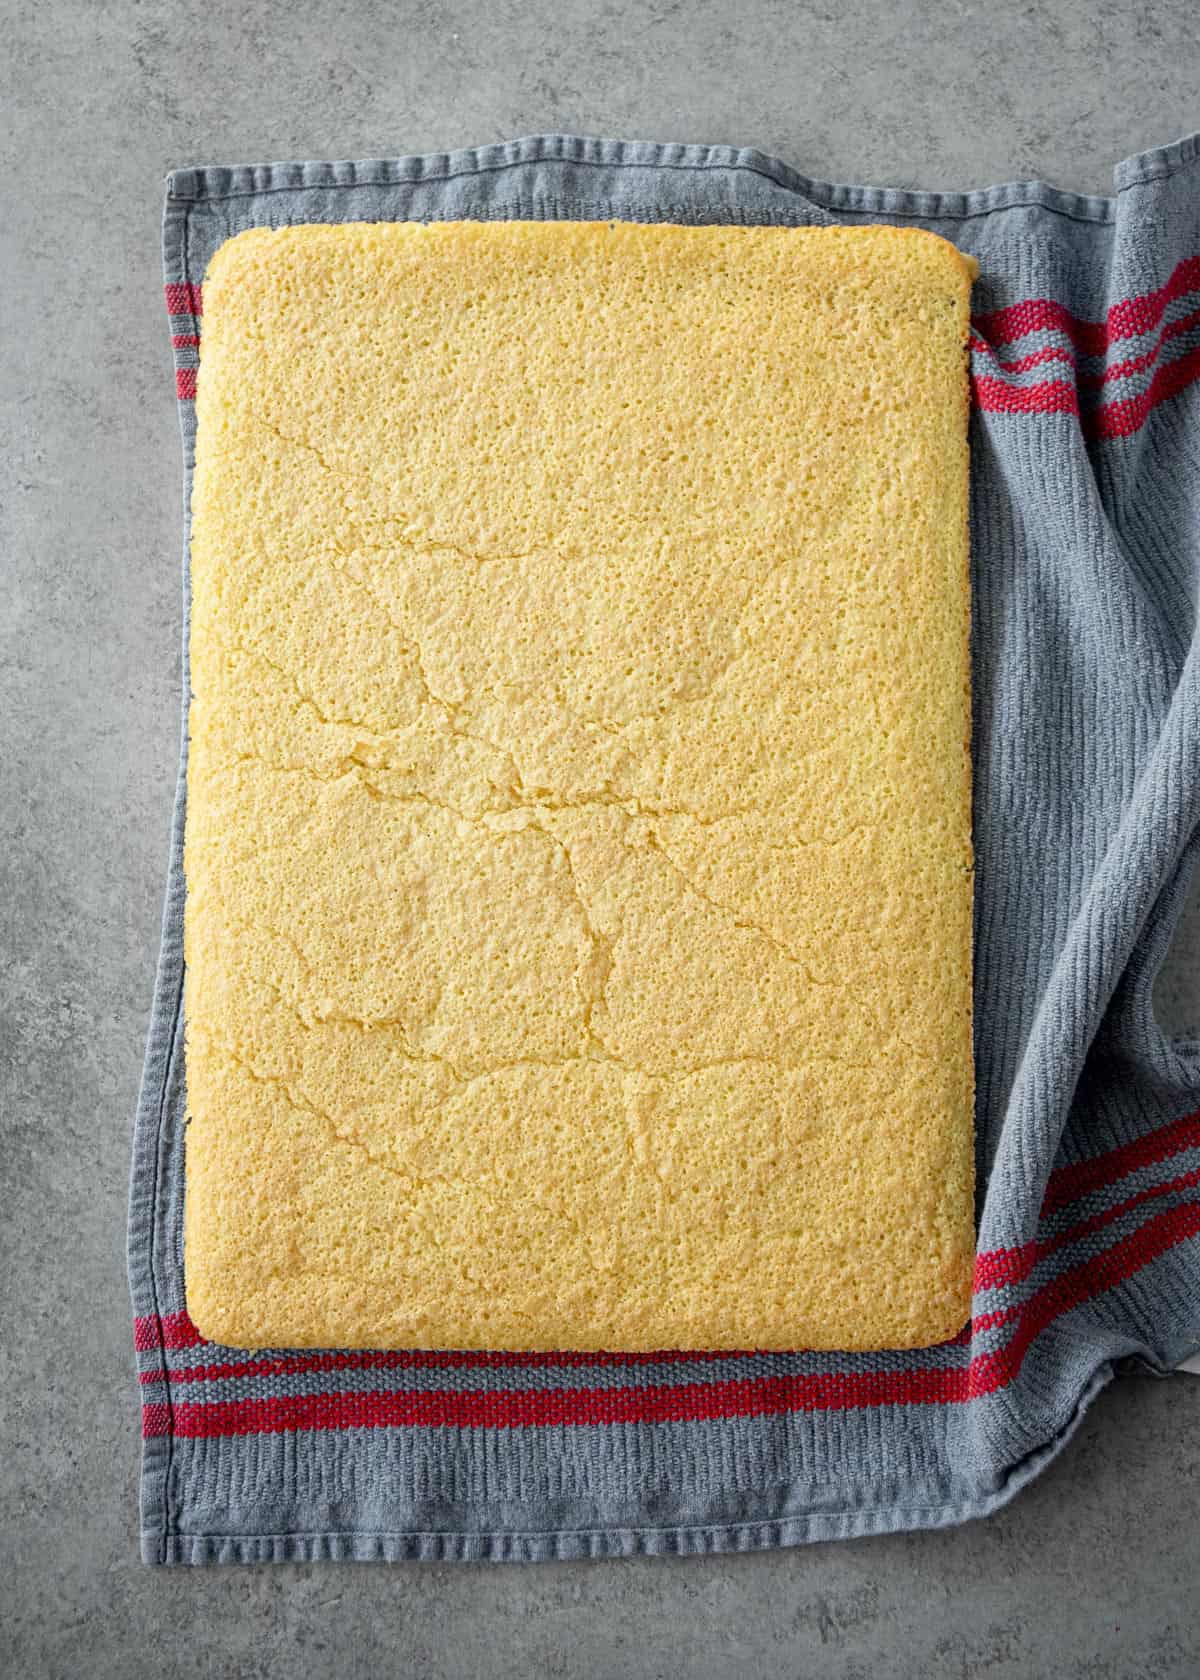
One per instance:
(578, 843)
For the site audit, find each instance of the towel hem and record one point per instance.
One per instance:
(224, 182)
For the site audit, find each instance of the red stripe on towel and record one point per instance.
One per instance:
(1126, 319)
(1118, 418)
(1006, 1267)
(184, 299)
(694, 1402)
(1127, 414)
(997, 396)
(1069, 1184)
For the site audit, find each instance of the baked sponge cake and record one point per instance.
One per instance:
(578, 852)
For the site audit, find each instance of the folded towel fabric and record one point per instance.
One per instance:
(1085, 508)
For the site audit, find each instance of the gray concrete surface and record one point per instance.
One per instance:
(1094, 1571)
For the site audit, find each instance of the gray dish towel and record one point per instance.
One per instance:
(1085, 516)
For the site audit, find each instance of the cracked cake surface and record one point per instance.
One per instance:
(578, 854)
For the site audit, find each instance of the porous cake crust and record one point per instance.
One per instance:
(578, 831)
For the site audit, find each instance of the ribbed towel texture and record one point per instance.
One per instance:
(1085, 530)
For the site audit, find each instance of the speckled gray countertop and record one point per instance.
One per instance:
(1093, 1572)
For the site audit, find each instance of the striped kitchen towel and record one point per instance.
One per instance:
(1086, 559)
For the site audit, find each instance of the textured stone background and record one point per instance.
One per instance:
(1091, 1573)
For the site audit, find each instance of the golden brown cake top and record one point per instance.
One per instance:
(578, 831)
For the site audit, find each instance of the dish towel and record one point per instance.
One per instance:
(1085, 528)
